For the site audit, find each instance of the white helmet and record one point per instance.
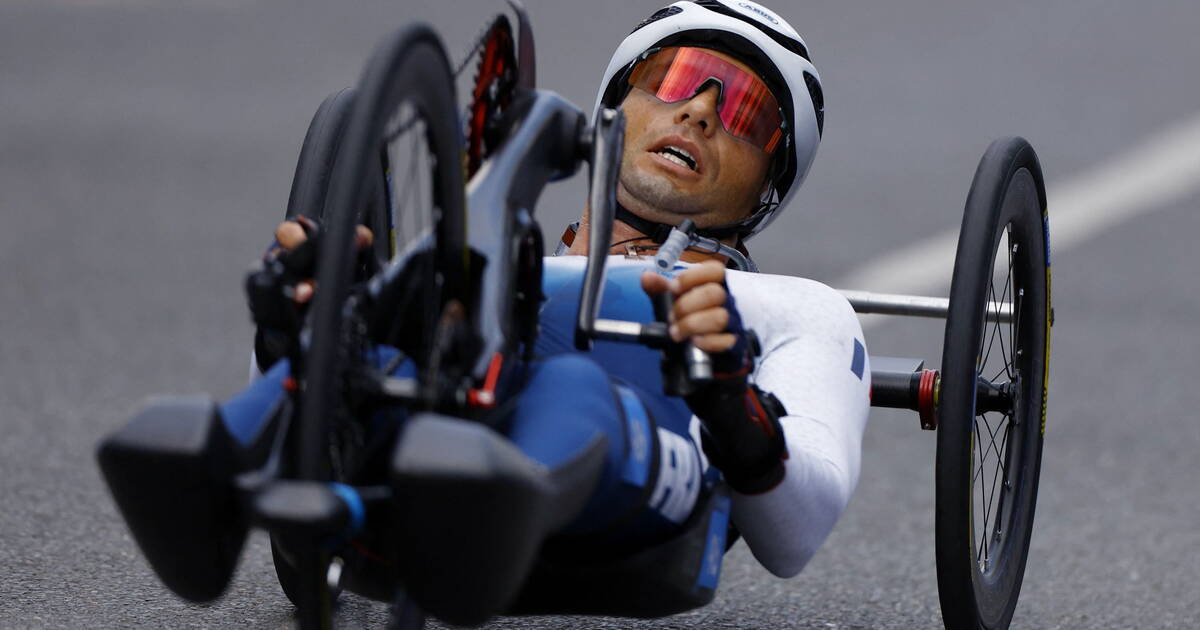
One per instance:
(759, 38)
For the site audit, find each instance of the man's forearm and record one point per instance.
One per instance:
(741, 433)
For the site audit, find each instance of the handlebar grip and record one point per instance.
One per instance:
(696, 363)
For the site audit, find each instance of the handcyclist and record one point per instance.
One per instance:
(724, 113)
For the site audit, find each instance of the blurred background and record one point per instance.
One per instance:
(146, 153)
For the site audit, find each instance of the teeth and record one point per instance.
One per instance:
(682, 152)
(678, 156)
(675, 158)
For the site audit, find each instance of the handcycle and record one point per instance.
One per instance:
(462, 312)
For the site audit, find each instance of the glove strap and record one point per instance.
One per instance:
(742, 435)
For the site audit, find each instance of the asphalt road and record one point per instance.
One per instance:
(146, 151)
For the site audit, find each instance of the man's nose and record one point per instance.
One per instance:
(701, 109)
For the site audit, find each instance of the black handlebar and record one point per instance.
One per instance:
(608, 141)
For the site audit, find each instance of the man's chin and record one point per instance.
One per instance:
(657, 194)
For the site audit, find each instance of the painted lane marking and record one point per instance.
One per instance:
(208, 5)
(1163, 169)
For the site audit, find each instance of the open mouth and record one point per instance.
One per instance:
(678, 155)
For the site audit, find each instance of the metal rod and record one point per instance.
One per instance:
(916, 305)
(652, 334)
(616, 330)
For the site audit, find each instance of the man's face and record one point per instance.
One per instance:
(729, 173)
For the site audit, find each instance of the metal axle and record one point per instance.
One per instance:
(919, 390)
(916, 305)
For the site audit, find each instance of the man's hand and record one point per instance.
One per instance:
(741, 432)
(699, 313)
(291, 234)
(276, 298)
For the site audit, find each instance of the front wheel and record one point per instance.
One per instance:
(401, 152)
(992, 396)
(310, 186)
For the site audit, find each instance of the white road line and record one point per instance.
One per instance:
(1162, 169)
(207, 5)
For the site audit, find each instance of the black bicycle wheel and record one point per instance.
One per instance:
(989, 447)
(310, 185)
(401, 147)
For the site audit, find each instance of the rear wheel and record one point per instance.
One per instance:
(400, 152)
(989, 447)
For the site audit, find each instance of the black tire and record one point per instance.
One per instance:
(288, 575)
(310, 184)
(405, 98)
(981, 562)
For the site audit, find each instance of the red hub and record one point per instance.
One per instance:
(927, 399)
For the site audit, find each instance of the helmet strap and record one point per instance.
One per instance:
(658, 232)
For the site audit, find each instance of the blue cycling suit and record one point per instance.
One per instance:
(653, 471)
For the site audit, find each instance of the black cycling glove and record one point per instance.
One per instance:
(741, 431)
(270, 292)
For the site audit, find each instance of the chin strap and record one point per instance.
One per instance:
(739, 256)
(658, 232)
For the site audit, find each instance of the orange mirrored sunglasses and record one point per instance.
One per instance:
(746, 107)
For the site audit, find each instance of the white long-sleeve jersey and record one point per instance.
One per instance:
(814, 360)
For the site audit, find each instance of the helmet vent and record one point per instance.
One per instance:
(788, 43)
(818, 100)
(658, 15)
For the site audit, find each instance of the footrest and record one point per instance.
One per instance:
(171, 473)
(471, 511)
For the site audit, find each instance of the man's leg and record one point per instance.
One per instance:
(248, 412)
(651, 477)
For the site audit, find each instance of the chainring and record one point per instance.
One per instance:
(496, 75)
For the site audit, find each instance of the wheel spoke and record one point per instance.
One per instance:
(991, 490)
(981, 550)
(988, 499)
(1013, 249)
(991, 336)
(1004, 354)
(982, 453)
(413, 187)
(992, 436)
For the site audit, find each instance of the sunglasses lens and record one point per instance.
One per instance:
(747, 108)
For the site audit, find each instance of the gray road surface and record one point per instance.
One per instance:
(146, 151)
